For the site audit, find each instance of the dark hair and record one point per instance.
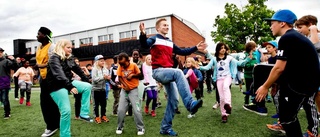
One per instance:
(140, 55)
(250, 45)
(306, 20)
(123, 55)
(218, 48)
(88, 65)
(115, 59)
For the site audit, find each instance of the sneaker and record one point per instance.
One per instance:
(146, 110)
(119, 130)
(158, 104)
(308, 134)
(140, 132)
(88, 119)
(241, 90)
(104, 119)
(276, 127)
(275, 116)
(21, 100)
(153, 113)
(28, 104)
(16, 99)
(97, 120)
(247, 92)
(48, 133)
(177, 111)
(224, 119)
(115, 114)
(257, 110)
(7, 116)
(169, 132)
(195, 105)
(227, 107)
(216, 105)
(191, 116)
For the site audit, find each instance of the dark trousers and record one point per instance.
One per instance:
(116, 96)
(249, 81)
(208, 83)
(290, 103)
(77, 104)
(200, 88)
(217, 92)
(4, 94)
(28, 93)
(49, 108)
(16, 87)
(99, 97)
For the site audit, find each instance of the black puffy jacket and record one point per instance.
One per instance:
(59, 73)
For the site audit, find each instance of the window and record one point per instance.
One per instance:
(151, 30)
(122, 35)
(105, 37)
(72, 42)
(86, 40)
(110, 36)
(128, 34)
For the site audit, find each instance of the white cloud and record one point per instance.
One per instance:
(21, 19)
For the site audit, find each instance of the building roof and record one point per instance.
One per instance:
(186, 22)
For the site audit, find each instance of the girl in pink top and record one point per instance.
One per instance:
(25, 75)
(151, 86)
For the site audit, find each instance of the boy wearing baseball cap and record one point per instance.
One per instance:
(296, 88)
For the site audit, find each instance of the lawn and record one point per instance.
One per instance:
(28, 121)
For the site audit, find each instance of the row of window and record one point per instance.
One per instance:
(107, 37)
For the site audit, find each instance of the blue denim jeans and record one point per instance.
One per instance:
(4, 95)
(168, 77)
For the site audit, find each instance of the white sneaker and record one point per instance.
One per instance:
(191, 116)
(141, 132)
(119, 130)
(16, 98)
(48, 133)
(216, 105)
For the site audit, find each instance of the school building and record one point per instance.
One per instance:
(111, 40)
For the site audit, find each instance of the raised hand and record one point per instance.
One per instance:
(202, 45)
(142, 28)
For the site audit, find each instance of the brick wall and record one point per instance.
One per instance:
(184, 36)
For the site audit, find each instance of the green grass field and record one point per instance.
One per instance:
(28, 121)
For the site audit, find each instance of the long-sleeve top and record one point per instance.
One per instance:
(196, 72)
(5, 67)
(60, 73)
(222, 68)
(147, 72)
(98, 81)
(161, 49)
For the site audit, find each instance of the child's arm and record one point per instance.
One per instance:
(17, 73)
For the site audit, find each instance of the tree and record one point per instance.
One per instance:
(240, 25)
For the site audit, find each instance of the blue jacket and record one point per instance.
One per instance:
(196, 72)
(213, 61)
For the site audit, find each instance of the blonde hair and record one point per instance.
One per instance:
(148, 56)
(159, 20)
(59, 49)
(96, 66)
(193, 62)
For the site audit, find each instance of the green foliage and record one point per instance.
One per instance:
(240, 25)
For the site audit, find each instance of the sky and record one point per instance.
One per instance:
(21, 19)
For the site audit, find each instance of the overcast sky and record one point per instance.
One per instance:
(21, 19)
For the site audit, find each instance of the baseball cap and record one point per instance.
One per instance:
(273, 43)
(284, 16)
(98, 57)
(1, 49)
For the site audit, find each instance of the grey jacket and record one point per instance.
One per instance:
(98, 82)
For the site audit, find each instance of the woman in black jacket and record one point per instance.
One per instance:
(59, 76)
